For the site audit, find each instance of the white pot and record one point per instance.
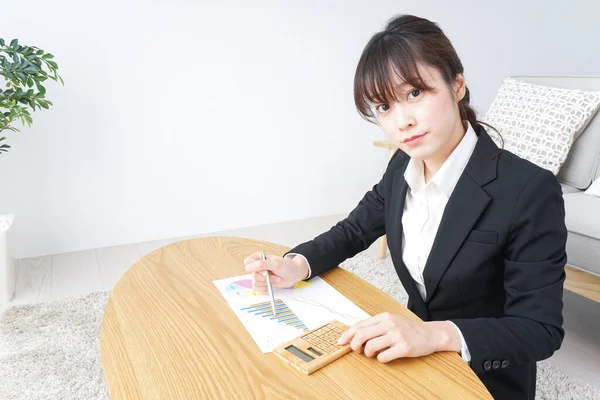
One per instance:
(7, 263)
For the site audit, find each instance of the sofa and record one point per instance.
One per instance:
(582, 210)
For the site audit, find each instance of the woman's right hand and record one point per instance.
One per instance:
(285, 272)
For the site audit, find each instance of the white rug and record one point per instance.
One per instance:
(52, 350)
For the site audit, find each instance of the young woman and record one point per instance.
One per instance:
(476, 234)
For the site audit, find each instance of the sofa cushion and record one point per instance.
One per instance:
(583, 252)
(594, 190)
(584, 157)
(568, 188)
(583, 160)
(540, 123)
(582, 214)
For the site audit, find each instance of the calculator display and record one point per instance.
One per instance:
(299, 353)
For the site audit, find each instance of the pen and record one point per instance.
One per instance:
(268, 276)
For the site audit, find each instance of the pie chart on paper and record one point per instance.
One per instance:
(243, 287)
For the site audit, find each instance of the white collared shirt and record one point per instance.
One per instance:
(423, 209)
(425, 204)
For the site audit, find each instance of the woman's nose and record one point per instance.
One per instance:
(403, 119)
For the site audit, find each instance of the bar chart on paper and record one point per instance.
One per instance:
(284, 314)
(299, 308)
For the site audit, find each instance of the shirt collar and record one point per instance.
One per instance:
(449, 173)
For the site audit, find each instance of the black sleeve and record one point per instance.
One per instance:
(355, 233)
(534, 259)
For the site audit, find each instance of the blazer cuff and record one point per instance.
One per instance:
(292, 255)
(464, 352)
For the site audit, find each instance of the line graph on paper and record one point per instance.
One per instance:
(352, 318)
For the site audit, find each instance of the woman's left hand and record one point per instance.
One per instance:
(390, 336)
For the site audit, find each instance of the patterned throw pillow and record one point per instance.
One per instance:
(540, 123)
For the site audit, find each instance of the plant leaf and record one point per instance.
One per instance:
(14, 44)
(41, 88)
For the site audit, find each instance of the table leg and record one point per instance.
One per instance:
(382, 253)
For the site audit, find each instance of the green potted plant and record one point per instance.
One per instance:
(24, 69)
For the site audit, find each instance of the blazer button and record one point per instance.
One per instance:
(487, 365)
(505, 363)
(496, 364)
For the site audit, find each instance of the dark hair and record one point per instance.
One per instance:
(405, 41)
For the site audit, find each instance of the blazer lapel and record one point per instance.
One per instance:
(467, 202)
(394, 233)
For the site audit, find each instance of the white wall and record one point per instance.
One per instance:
(182, 117)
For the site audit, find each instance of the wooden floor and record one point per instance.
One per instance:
(42, 279)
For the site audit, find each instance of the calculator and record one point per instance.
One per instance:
(315, 348)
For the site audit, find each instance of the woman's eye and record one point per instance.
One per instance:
(382, 108)
(414, 93)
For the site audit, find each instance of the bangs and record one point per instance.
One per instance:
(386, 63)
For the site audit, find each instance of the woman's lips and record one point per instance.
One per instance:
(413, 140)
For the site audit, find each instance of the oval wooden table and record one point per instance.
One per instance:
(168, 333)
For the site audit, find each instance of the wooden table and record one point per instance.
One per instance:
(168, 333)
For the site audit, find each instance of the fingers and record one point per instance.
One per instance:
(252, 257)
(271, 263)
(399, 350)
(377, 345)
(259, 269)
(366, 334)
(349, 334)
(259, 281)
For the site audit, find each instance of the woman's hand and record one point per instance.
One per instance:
(390, 336)
(285, 272)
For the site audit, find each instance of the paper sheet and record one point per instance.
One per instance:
(302, 307)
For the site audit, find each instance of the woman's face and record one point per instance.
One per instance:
(424, 124)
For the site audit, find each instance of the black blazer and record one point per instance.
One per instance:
(496, 268)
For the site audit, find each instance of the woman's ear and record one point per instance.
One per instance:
(460, 86)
